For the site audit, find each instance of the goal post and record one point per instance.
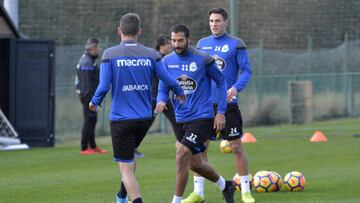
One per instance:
(8, 136)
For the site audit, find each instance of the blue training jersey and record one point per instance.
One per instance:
(129, 68)
(231, 57)
(194, 70)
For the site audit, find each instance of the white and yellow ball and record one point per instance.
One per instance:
(225, 146)
(276, 179)
(294, 181)
(265, 181)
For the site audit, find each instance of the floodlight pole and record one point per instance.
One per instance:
(234, 17)
(12, 8)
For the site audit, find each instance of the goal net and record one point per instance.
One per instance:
(8, 136)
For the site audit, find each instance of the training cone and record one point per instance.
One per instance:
(248, 138)
(318, 137)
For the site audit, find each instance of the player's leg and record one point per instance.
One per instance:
(138, 154)
(207, 171)
(88, 126)
(183, 156)
(199, 181)
(198, 195)
(124, 141)
(196, 134)
(140, 133)
(181, 169)
(91, 131)
(233, 132)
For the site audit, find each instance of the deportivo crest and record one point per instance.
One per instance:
(193, 67)
(189, 85)
(220, 63)
(225, 48)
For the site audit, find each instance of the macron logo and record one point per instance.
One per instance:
(133, 62)
(128, 88)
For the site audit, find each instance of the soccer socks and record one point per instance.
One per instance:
(122, 193)
(221, 183)
(176, 199)
(199, 185)
(245, 185)
(138, 200)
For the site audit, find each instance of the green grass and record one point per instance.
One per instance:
(61, 175)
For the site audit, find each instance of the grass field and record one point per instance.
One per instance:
(60, 174)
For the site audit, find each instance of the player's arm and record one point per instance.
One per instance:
(162, 97)
(104, 84)
(219, 79)
(166, 80)
(245, 68)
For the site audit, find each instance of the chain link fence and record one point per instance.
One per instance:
(335, 74)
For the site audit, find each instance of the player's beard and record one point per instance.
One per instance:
(181, 50)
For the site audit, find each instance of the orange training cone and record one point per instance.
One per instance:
(318, 137)
(247, 138)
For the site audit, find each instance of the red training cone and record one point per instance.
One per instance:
(248, 138)
(318, 137)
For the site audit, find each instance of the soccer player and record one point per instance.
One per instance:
(164, 47)
(86, 81)
(231, 57)
(128, 68)
(194, 70)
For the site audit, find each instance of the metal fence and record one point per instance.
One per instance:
(335, 74)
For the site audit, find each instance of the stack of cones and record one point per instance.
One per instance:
(248, 138)
(318, 137)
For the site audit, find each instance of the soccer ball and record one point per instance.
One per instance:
(294, 181)
(277, 180)
(225, 146)
(259, 172)
(236, 180)
(265, 181)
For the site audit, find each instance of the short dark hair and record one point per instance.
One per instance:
(162, 40)
(181, 28)
(92, 42)
(130, 24)
(221, 11)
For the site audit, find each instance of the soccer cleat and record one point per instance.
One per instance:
(193, 198)
(229, 194)
(121, 200)
(88, 152)
(247, 198)
(100, 151)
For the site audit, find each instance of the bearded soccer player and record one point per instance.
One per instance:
(231, 57)
(194, 70)
(128, 69)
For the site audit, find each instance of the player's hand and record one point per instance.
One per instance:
(181, 98)
(231, 94)
(219, 122)
(92, 107)
(160, 107)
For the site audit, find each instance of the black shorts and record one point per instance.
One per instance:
(233, 123)
(194, 134)
(126, 136)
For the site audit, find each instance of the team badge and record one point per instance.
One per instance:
(193, 67)
(225, 48)
(187, 84)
